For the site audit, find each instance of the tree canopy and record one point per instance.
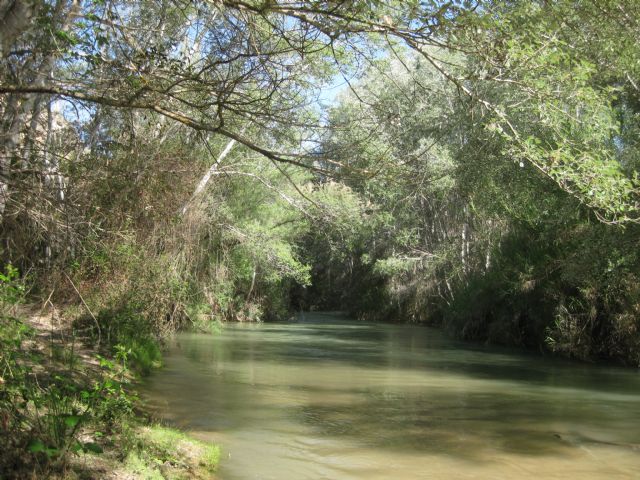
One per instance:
(197, 134)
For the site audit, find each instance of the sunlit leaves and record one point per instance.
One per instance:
(545, 93)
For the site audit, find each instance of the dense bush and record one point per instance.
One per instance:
(48, 408)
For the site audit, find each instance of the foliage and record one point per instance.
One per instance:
(51, 415)
(476, 229)
(480, 172)
(12, 289)
(48, 415)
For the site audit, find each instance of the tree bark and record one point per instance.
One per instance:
(207, 176)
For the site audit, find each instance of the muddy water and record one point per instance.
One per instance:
(325, 398)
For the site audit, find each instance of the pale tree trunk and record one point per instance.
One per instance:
(253, 284)
(464, 249)
(21, 114)
(207, 176)
(16, 117)
(15, 19)
(487, 260)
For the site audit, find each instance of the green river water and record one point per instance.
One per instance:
(325, 398)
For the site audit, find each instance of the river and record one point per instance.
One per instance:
(326, 398)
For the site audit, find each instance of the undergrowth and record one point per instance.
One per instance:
(56, 407)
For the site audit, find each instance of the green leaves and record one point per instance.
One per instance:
(67, 38)
(11, 288)
(554, 104)
(38, 446)
(72, 421)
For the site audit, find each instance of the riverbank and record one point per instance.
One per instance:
(69, 410)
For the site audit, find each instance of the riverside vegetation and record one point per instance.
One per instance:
(68, 412)
(171, 165)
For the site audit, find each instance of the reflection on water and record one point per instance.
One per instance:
(329, 399)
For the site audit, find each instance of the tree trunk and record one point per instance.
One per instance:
(207, 176)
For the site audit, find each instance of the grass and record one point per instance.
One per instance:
(138, 466)
(167, 454)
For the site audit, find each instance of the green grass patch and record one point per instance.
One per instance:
(166, 453)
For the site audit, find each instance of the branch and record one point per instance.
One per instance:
(177, 116)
